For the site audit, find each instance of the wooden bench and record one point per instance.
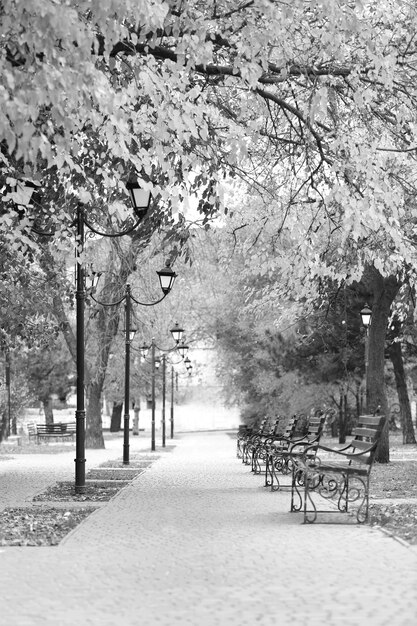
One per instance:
(243, 433)
(59, 431)
(269, 430)
(284, 430)
(263, 430)
(281, 457)
(339, 475)
(32, 434)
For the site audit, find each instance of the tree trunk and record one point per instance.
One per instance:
(94, 427)
(47, 409)
(136, 410)
(4, 426)
(342, 429)
(384, 291)
(396, 357)
(116, 417)
(358, 402)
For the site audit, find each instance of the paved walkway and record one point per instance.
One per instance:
(196, 540)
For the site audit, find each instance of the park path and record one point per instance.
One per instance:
(196, 540)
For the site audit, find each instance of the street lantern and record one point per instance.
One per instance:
(182, 349)
(187, 362)
(366, 315)
(141, 198)
(177, 332)
(167, 278)
(157, 362)
(132, 333)
(144, 351)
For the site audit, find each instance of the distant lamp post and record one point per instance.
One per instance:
(172, 404)
(166, 286)
(366, 316)
(164, 368)
(156, 362)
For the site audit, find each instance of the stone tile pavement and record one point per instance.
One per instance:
(196, 540)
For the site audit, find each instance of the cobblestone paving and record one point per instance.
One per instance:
(196, 540)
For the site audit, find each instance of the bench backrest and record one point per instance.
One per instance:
(315, 428)
(366, 436)
(60, 427)
(279, 426)
(290, 427)
(284, 441)
(263, 426)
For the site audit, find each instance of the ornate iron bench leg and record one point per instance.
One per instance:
(296, 484)
(268, 472)
(310, 514)
(275, 480)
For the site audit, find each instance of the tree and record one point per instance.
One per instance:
(396, 337)
(49, 371)
(312, 106)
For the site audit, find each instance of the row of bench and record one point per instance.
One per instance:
(47, 432)
(339, 475)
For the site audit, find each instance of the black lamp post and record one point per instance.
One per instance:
(129, 336)
(366, 315)
(164, 367)
(172, 404)
(141, 200)
(140, 207)
(157, 361)
(153, 371)
(174, 387)
(166, 278)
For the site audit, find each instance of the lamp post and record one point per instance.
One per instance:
(366, 315)
(166, 278)
(156, 361)
(140, 200)
(153, 446)
(129, 336)
(172, 404)
(164, 367)
(140, 206)
(80, 359)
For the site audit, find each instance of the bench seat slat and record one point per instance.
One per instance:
(365, 432)
(342, 468)
(361, 445)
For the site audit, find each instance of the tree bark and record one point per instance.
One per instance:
(94, 426)
(342, 417)
(116, 417)
(384, 291)
(136, 410)
(396, 357)
(48, 410)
